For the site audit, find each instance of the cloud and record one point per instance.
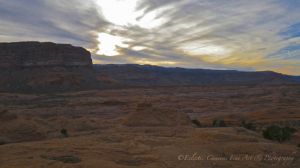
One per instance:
(48, 21)
(220, 34)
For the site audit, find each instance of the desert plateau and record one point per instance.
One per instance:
(149, 127)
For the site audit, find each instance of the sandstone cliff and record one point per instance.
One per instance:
(35, 66)
(30, 54)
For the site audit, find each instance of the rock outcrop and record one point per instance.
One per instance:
(36, 54)
(40, 67)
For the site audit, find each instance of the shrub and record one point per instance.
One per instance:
(298, 145)
(280, 134)
(64, 159)
(219, 123)
(64, 132)
(249, 125)
(196, 123)
(292, 130)
(3, 141)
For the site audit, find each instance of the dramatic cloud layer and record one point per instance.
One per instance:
(219, 34)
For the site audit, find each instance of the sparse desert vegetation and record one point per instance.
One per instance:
(219, 123)
(64, 132)
(196, 123)
(3, 141)
(64, 159)
(149, 127)
(248, 125)
(280, 134)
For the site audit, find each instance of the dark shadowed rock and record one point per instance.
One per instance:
(35, 54)
(48, 67)
(147, 75)
(35, 66)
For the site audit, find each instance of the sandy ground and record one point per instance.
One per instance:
(148, 127)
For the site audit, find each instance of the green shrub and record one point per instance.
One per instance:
(3, 141)
(64, 159)
(64, 132)
(196, 123)
(292, 130)
(248, 125)
(219, 123)
(298, 145)
(280, 134)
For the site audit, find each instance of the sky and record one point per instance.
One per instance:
(256, 35)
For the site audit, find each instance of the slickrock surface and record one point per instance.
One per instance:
(156, 133)
(147, 115)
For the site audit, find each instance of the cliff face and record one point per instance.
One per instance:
(40, 67)
(32, 54)
(49, 67)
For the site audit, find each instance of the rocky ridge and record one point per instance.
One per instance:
(35, 54)
(37, 66)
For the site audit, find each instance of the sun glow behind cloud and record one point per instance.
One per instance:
(108, 44)
(124, 13)
(119, 12)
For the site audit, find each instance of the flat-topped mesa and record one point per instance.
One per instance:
(42, 54)
(45, 67)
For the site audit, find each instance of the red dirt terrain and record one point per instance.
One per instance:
(149, 128)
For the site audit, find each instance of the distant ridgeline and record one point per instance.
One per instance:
(48, 67)
(146, 75)
(35, 66)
